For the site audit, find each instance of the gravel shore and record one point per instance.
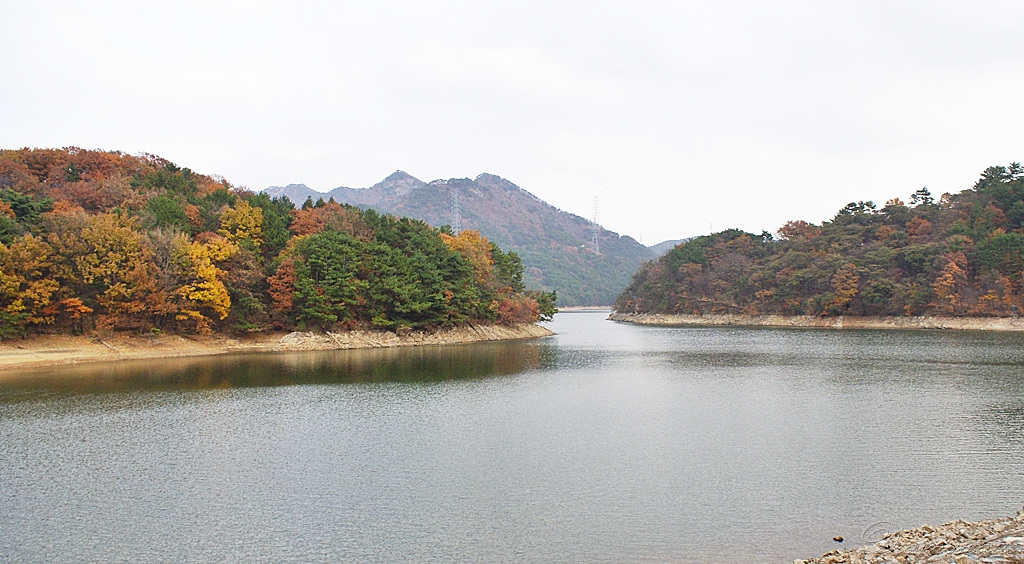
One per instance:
(956, 542)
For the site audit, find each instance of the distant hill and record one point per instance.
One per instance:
(555, 245)
(666, 246)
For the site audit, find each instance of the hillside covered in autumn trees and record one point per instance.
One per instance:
(960, 255)
(104, 240)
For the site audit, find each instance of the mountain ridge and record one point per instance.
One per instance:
(555, 245)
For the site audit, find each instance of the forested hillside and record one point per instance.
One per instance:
(555, 246)
(960, 255)
(103, 240)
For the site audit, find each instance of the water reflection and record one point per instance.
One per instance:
(408, 364)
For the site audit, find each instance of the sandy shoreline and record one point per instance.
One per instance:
(56, 350)
(842, 322)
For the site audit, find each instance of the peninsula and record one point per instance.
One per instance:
(102, 247)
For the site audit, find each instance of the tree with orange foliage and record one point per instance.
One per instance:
(476, 249)
(795, 230)
(515, 309)
(844, 285)
(950, 284)
(331, 215)
(919, 229)
(307, 222)
(282, 287)
(69, 313)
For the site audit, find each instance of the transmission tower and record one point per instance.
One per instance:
(595, 229)
(456, 211)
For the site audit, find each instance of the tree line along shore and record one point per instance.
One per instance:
(961, 255)
(101, 241)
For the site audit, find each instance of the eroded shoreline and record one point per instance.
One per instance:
(841, 322)
(57, 350)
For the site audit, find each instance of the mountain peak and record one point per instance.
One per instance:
(489, 179)
(399, 176)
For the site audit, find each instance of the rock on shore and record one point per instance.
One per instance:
(841, 322)
(956, 542)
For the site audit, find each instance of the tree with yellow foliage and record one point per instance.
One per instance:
(116, 263)
(241, 223)
(26, 288)
(203, 294)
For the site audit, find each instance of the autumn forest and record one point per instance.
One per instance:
(95, 240)
(958, 255)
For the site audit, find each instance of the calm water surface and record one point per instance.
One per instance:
(605, 443)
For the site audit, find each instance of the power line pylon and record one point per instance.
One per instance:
(456, 211)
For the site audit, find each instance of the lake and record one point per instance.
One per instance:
(605, 443)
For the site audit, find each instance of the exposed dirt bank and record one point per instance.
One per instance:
(50, 350)
(959, 542)
(845, 322)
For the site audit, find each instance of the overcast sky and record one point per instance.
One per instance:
(679, 116)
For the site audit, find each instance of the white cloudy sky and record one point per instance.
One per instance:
(678, 116)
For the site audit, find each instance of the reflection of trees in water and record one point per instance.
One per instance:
(403, 364)
(415, 364)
